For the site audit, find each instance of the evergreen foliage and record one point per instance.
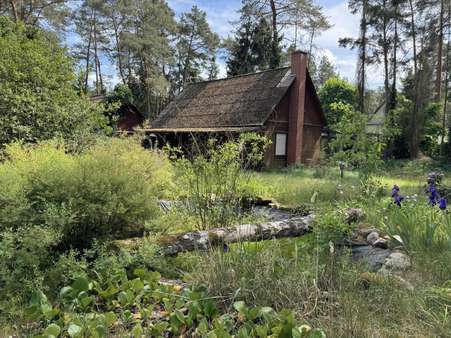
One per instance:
(196, 44)
(249, 52)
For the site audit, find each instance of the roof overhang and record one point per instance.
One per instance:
(201, 130)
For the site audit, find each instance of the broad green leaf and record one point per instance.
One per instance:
(110, 291)
(179, 316)
(85, 301)
(110, 318)
(122, 298)
(137, 331)
(101, 330)
(261, 331)
(138, 272)
(81, 284)
(74, 330)
(137, 285)
(52, 330)
(210, 309)
(67, 290)
(240, 307)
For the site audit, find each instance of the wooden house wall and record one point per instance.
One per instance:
(277, 123)
(313, 124)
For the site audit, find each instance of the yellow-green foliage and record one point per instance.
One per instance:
(215, 184)
(111, 189)
(297, 186)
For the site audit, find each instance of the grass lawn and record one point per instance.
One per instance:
(297, 186)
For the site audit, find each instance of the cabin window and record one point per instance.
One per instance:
(281, 144)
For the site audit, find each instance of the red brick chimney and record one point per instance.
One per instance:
(297, 103)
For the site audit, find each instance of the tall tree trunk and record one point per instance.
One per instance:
(99, 80)
(88, 54)
(312, 35)
(447, 79)
(362, 58)
(445, 104)
(118, 49)
(14, 10)
(187, 60)
(414, 120)
(385, 52)
(30, 9)
(22, 11)
(438, 72)
(392, 103)
(275, 60)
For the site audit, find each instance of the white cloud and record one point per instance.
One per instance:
(344, 24)
(222, 69)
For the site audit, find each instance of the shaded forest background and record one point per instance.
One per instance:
(157, 54)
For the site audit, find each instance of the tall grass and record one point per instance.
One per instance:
(422, 228)
(325, 290)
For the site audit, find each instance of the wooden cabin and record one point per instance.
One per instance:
(281, 104)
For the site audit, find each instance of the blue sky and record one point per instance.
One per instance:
(221, 13)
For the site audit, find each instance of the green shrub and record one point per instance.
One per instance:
(353, 144)
(38, 100)
(111, 190)
(336, 90)
(329, 226)
(215, 184)
(24, 254)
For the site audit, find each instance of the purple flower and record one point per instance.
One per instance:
(397, 199)
(433, 194)
(442, 203)
(394, 191)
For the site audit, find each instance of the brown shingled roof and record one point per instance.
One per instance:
(241, 101)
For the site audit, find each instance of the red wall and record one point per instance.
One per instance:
(311, 131)
(129, 121)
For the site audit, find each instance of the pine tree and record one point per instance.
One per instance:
(325, 71)
(145, 44)
(241, 58)
(196, 45)
(249, 51)
(89, 25)
(53, 13)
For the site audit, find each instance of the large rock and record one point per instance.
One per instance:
(397, 261)
(372, 237)
(381, 243)
(373, 257)
(364, 230)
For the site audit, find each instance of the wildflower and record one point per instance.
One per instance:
(442, 203)
(433, 194)
(394, 191)
(397, 199)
